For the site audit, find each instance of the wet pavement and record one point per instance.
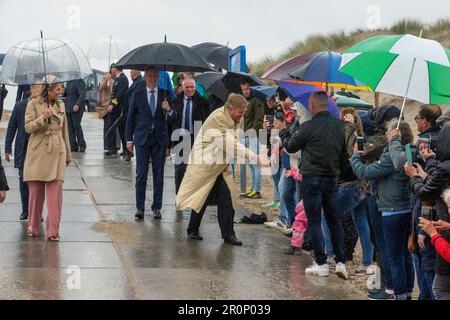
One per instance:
(105, 254)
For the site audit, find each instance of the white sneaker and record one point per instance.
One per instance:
(341, 271)
(371, 282)
(371, 269)
(316, 270)
(331, 262)
(272, 224)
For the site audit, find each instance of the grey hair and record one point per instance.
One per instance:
(446, 197)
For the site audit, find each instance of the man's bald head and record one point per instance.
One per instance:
(318, 102)
(189, 87)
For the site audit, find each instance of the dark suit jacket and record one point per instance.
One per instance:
(75, 94)
(16, 128)
(23, 92)
(119, 94)
(3, 181)
(140, 118)
(3, 94)
(136, 83)
(200, 110)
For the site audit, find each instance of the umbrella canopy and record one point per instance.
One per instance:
(402, 65)
(29, 61)
(105, 51)
(343, 101)
(164, 56)
(214, 53)
(281, 70)
(262, 92)
(212, 82)
(232, 80)
(302, 93)
(323, 68)
(2, 56)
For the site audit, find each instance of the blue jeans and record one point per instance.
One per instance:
(255, 170)
(377, 226)
(275, 182)
(288, 196)
(396, 230)
(320, 192)
(424, 280)
(327, 237)
(23, 191)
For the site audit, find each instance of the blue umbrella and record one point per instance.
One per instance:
(2, 56)
(165, 83)
(324, 67)
(261, 92)
(302, 92)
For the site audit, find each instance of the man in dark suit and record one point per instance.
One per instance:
(75, 97)
(147, 128)
(138, 80)
(3, 94)
(23, 92)
(3, 183)
(16, 128)
(117, 105)
(192, 110)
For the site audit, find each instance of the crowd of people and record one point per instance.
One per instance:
(335, 181)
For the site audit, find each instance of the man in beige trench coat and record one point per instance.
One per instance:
(209, 176)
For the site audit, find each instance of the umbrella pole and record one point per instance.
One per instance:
(49, 121)
(406, 94)
(109, 52)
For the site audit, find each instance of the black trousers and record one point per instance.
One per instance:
(122, 126)
(76, 135)
(350, 235)
(225, 210)
(181, 165)
(110, 142)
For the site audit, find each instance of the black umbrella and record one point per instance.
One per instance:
(164, 56)
(211, 81)
(214, 53)
(232, 81)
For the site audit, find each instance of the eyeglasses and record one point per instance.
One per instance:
(417, 118)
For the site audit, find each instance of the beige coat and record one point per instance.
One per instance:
(48, 146)
(217, 139)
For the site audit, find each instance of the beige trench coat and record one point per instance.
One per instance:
(217, 139)
(48, 146)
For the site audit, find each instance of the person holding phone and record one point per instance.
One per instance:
(428, 185)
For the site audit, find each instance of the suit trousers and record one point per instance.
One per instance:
(76, 135)
(225, 210)
(150, 150)
(110, 142)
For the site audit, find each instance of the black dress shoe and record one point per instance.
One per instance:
(156, 214)
(139, 214)
(24, 215)
(129, 157)
(195, 236)
(124, 153)
(111, 153)
(233, 240)
(75, 149)
(83, 149)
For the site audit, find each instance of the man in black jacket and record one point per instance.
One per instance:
(75, 96)
(192, 110)
(324, 152)
(118, 103)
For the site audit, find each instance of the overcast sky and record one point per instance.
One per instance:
(263, 26)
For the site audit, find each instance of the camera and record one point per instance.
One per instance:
(360, 143)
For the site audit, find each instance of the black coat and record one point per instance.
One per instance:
(75, 94)
(136, 82)
(3, 181)
(119, 94)
(16, 128)
(23, 92)
(200, 111)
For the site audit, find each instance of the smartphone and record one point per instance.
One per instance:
(269, 118)
(360, 143)
(427, 213)
(408, 154)
(277, 98)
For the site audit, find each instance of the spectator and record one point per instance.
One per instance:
(428, 188)
(324, 153)
(393, 197)
(3, 183)
(444, 119)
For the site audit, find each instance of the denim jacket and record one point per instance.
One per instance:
(392, 188)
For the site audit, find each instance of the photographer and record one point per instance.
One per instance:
(428, 188)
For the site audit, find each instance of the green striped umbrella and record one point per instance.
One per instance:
(402, 65)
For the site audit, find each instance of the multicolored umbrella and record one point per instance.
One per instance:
(323, 69)
(281, 70)
(402, 65)
(302, 92)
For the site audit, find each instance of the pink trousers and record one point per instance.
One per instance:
(37, 191)
(299, 226)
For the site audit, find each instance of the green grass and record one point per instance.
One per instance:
(411, 26)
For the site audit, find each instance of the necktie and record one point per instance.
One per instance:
(152, 102)
(187, 115)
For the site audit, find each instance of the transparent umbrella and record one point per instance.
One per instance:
(104, 51)
(28, 62)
